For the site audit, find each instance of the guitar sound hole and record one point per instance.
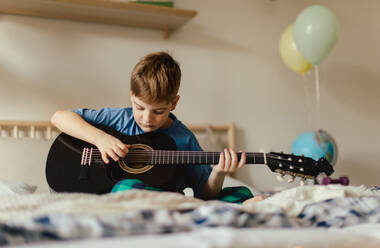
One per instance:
(137, 160)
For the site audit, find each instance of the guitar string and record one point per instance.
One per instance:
(145, 159)
(171, 153)
(168, 153)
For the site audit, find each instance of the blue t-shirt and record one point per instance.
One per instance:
(122, 120)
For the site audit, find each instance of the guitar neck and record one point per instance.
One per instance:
(159, 157)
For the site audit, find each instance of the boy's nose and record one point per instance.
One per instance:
(147, 117)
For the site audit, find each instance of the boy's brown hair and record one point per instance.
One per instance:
(156, 78)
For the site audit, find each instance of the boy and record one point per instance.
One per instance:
(154, 89)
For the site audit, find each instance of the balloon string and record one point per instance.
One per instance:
(317, 95)
(308, 104)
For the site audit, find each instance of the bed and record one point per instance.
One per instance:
(302, 216)
(305, 216)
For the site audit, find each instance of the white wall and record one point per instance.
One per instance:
(231, 72)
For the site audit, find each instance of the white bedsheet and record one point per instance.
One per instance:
(363, 236)
(20, 208)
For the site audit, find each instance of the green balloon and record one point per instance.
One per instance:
(316, 31)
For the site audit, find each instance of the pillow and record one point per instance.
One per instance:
(14, 187)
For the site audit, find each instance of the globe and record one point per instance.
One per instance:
(316, 144)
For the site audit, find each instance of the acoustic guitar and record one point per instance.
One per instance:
(76, 166)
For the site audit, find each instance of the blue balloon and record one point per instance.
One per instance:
(316, 145)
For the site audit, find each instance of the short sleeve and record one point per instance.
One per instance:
(197, 175)
(105, 116)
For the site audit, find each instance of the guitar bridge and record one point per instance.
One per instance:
(85, 171)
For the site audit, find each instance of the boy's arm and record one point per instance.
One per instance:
(228, 162)
(74, 125)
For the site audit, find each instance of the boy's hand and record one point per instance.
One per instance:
(228, 162)
(110, 146)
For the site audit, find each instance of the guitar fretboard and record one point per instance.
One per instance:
(161, 157)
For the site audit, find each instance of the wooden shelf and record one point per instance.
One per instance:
(115, 12)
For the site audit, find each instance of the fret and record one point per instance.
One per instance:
(159, 157)
(173, 157)
(193, 157)
(183, 154)
(188, 155)
(206, 158)
(213, 159)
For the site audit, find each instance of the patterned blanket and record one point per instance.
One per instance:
(48, 225)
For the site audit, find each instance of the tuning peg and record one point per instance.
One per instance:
(280, 177)
(291, 179)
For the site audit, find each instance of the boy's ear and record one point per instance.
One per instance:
(174, 103)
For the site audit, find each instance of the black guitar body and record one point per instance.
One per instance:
(64, 169)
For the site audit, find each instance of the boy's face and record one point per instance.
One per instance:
(151, 117)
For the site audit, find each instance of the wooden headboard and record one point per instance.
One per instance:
(20, 129)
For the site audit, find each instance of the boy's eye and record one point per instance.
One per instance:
(159, 112)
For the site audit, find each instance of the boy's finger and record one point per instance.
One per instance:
(234, 159)
(124, 147)
(105, 158)
(113, 155)
(221, 161)
(243, 160)
(227, 163)
(120, 153)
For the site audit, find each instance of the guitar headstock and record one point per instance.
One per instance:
(298, 166)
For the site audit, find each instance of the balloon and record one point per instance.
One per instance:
(316, 31)
(290, 54)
